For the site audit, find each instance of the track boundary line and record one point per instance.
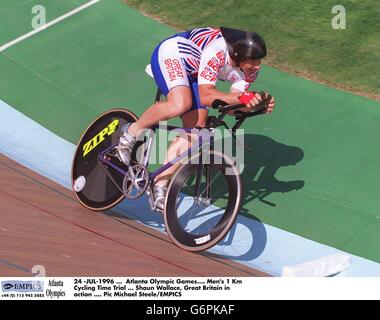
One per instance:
(203, 254)
(47, 25)
(15, 266)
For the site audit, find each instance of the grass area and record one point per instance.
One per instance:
(298, 33)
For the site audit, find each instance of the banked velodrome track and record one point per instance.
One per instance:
(311, 182)
(42, 224)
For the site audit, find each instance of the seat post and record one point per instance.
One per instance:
(158, 96)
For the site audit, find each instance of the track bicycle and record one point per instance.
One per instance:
(204, 195)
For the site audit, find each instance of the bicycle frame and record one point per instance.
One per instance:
(205, 137)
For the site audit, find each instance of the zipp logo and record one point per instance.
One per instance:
(99, 138)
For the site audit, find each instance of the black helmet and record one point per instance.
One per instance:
(244, 45)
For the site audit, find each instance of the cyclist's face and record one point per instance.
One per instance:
(250, 66)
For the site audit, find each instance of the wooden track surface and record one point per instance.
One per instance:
(41, 223)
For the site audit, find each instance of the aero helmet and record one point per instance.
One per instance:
(243, 45)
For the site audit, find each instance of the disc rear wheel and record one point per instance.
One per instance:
(96, 185)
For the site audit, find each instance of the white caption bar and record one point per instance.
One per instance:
(174, 288)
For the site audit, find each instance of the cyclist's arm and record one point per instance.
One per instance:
(213, 59)
(240, 86)
(208, 93)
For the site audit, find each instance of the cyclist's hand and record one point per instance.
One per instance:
(271, 104)
(250, 99)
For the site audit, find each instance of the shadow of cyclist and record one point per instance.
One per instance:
(248, 238)
(245, 242)
(262, 162)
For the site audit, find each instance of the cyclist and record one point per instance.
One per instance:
(186, 68)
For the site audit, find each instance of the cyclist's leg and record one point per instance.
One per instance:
(178, 100)
(171, 77)
(195, 117)
(181, 143)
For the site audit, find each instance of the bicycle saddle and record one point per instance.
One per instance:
(148, 70)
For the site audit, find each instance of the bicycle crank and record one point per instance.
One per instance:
(135, 182)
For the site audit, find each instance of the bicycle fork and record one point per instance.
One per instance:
(205, 197)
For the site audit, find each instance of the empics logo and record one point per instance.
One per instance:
(22, 286)
(7, 286)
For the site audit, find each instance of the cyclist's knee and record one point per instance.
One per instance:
(180, 101)
(180, 107)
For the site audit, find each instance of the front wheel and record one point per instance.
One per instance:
(203, 201)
